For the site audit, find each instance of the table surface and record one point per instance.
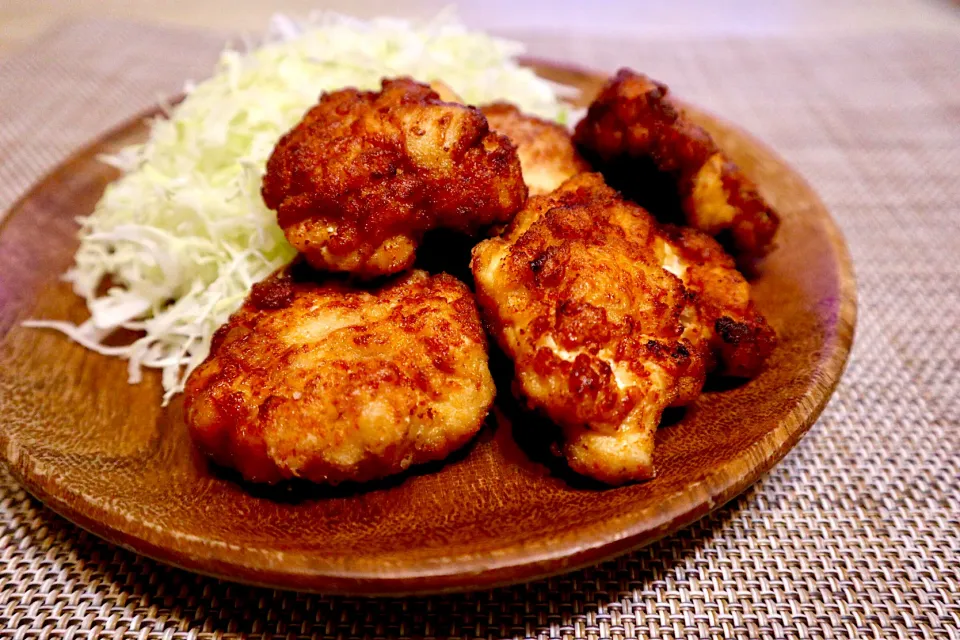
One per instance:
(855, 534)
(23, 20)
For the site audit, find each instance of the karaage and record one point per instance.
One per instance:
(576, 294)
(634, 128)
(329, 382)
(364, 175)
(737, 337)
(548, 156)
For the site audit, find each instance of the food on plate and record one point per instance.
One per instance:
(737, 337)
(330, 382)
(548, 156)
(609, 316)
(576, 294)
(183, 232)
(364, 175)
(635, 129)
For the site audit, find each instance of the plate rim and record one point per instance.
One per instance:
(473, 571)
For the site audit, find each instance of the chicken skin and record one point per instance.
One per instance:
(576, 294)
(548, 156)
(329, 382)
(634, 129)
(364, 175)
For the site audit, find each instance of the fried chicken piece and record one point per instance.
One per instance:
(576, 294)
(634, 126)
(364, 175)
(723, 318)
(330, 382)
(548, 156)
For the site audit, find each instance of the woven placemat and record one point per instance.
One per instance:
(856, 534)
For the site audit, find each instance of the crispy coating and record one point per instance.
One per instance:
(548, 156)
(726, 321)
(330, 382)
(361, 178)
(576, 293)
(634, 125)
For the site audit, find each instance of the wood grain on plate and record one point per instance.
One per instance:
(105, 454)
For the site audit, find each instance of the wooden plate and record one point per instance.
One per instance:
(105, 455)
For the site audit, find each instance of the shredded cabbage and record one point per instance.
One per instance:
(183, 234)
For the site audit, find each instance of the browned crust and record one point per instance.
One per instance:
(739, 338)
(575, 293)
(634, 119)
(360, 179)
(548, 156)
(330, 382)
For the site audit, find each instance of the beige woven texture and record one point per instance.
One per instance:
(856, 534)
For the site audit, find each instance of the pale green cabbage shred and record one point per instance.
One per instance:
(183, 234)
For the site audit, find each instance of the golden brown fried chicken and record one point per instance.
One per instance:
(361, 178)
(329, 382)
(723, 318)
(548, 156)
(633, 123)
(576, 293)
